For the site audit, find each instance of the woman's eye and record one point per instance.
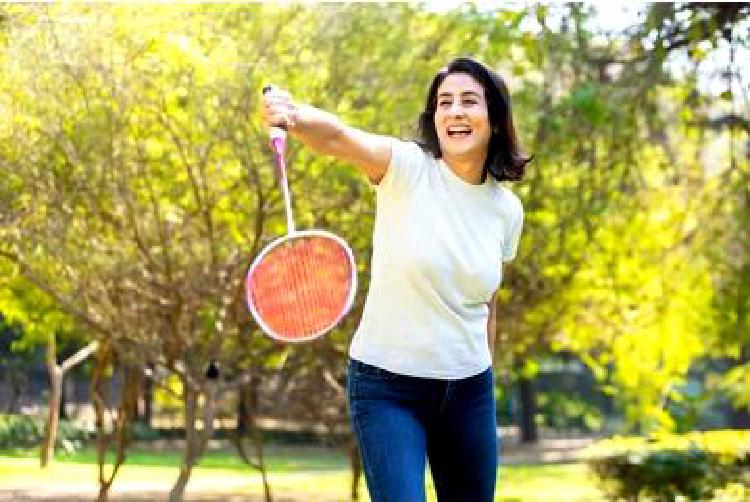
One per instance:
(444, 103)
(469, 102)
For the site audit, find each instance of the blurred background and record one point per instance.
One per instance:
(136, 186)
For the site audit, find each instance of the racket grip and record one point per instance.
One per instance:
(276, 134)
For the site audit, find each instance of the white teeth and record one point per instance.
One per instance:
(459, 130)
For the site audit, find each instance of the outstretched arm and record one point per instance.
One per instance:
(325, 133)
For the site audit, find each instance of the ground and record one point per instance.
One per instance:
(297, 475)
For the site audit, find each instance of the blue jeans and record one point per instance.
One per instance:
(402, 421)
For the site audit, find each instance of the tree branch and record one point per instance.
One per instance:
(79, 356)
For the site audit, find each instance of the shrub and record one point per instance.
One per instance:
(142, 432)
(19, 431)
(697, 465)
(22, 431)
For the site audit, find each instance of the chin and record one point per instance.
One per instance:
(459, 152)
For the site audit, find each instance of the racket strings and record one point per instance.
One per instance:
(302, 286)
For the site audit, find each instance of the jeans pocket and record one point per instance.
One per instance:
(368, 382)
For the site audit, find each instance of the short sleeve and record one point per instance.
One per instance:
(407, 160)
(513, 235)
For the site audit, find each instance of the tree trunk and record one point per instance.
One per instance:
(258, 443)
(355, 464)
(189, 454)
(16, 388)
(131, 380)
(50, 433)
(99, 398)
(247, 411)
(56, 374)
(527, 409)
(63, 413)
(148, 402)
(195, 440)
(243, 407)
(178, 489)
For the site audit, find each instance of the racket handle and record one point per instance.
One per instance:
(276, 134)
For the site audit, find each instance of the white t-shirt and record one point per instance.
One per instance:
(438, 245)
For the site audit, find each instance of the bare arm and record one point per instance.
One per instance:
(492, 324)
(325, 133)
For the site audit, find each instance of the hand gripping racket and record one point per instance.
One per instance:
(302, 284)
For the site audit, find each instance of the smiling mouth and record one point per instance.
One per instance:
(458, 131)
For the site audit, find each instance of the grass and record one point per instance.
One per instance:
(298, 472)
(559, 482)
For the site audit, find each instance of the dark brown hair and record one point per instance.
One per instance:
(504, 158)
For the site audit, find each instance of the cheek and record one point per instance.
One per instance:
(486, 127)
(482, 117)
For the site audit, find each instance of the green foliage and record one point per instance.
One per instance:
(142, 432)
(136, 184)
(736, 383)
(168, 397)
(666, 466)
(559, 410)
(22, 431)
(733, 491)
(33, 311)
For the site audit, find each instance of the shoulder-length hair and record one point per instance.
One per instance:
(505, 161)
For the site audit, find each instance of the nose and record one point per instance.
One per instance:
(456, 110)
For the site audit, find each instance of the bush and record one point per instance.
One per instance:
(22, 431)
(733, 492)
(697, 465)
(142, 432)
(19, 431)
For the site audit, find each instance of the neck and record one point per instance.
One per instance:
(469, 170)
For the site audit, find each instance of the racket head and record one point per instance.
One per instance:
(301, 285)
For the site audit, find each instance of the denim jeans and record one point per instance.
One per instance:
(401, 422)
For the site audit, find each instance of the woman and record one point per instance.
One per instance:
(420, 378)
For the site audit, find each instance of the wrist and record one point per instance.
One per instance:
(293, 118)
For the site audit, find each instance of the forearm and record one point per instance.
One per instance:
(325, 133)
(317, 129)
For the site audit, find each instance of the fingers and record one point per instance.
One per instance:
(278, 108)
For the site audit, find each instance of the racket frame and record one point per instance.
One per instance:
(289, 237)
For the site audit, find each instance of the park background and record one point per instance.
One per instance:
(136, 186)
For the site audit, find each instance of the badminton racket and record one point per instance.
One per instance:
(303, 283)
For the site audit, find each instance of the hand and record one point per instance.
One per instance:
(278, 109)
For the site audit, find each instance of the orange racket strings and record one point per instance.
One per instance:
(302, 286)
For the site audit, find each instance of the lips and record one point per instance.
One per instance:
(458, 131)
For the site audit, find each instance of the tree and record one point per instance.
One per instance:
(138, 224)
(42, 322)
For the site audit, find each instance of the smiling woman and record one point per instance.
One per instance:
(463, 126)
(420, 375)
(483, 96)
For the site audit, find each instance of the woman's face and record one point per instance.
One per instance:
(461, 118)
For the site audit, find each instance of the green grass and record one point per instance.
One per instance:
(559, 482)
(302, 473)
(281, 459)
